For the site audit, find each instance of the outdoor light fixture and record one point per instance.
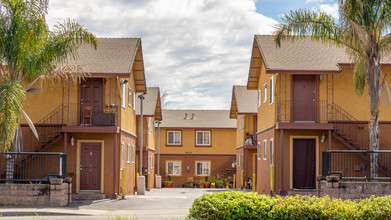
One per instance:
(320, 78)
(322, 138)
(188, 169)
(124, 81)
(72, 141)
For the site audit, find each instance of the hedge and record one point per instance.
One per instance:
(241, 205)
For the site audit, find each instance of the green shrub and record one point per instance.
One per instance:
(241, 205)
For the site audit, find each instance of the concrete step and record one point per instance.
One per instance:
(303, 192)
(88, 196)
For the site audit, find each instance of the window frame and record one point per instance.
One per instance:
(271, 88)
(134, 101)
(264, 149)
(129, 96)
(174, 144)
(203, 162)
(264, 98)
(174, 161)
(123, 95)
(259, 97)
(128, 154)
(210, 138)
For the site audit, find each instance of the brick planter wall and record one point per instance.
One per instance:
(353, 190)
(55, 194)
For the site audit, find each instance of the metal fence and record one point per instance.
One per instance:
(32, 167)
(355, 164)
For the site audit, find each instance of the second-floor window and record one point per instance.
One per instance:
(259, 97)
(271, 97)
(130, 96)
(203, 138)
(264, 92)
(173, 138)
(134, 101)
(123, 95)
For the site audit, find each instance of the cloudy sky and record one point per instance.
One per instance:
(194, 49)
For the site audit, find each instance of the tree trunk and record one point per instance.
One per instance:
(16, 146)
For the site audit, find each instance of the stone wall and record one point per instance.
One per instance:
(55, 194)
(352, 190)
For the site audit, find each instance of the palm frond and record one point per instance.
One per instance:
(359, 76)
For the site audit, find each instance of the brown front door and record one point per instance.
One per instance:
(304, 163)
(304, 98)
(90, 166)
(91, 94)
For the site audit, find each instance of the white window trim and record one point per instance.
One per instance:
(128, 155)
(180, 167)
(259, 97)
(122, 155)
(129, 96)
(264, 149)
(133, 154)
(259, 151)
(264, 93)
(134, 101)
(180, 138)
(271, 94)
(203, 137)
(206, 162)
(123, 95)
(271, 148)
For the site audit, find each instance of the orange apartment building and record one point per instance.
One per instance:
(152, 112)
(196, 143)
(94, 121)
(244, 110)
(306, 105)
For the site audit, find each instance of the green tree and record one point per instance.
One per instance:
(30, 51)
(363, 30)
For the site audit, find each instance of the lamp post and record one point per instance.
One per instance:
(158, 177)
(141, 178)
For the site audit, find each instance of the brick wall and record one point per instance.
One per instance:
(55, 194)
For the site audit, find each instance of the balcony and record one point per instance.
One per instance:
(290, 111)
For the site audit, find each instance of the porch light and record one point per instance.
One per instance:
(124, 81)
(322, 138)
(72, 141)
(320, 78)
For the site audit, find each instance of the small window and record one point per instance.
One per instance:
(271, 152)
(128, 159)
(173, 168)
(130, 96)
(123, 95)
(264, 149)
(173, 138)
(203, 138)
(264, 92)
(259, 97)
(202, 168)
(122, 156)
(134, 101)
(271, 92)
(133, 153)
(259, 150)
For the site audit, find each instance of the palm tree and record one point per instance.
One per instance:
(363, 30)
(30, 51)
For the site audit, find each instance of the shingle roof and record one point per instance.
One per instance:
(151, 103)
(113, 55)
(303, 54)
(243, 101)
(202, 119)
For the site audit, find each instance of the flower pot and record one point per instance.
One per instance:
(212, 185)
(170, 185)
(206, 185)
(227, 185)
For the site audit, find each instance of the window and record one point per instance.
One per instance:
(173, 138)
(259, 97)
(259, 150)
(130, 96)
(271, 152)
(122, 156)
(134, 101)
(271, 94)
(202, 168)
(203, 138)
(128, 159)
(264, 149)
(123, 95)
(133, 154)
(264, 92)
(173, 168)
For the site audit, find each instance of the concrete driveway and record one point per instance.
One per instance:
(163, 203)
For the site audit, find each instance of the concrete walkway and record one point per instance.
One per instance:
(163, 203)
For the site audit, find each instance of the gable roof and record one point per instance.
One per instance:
(243, 101)
(201, 119)
(116, 57)
(151, 103)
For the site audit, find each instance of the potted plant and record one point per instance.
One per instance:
(190, 182)
(169, 182)
(213, 180)
(206, 184)
(220, 183)
(227, 183)
(201, 183)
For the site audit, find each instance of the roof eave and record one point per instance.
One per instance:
(138, 69)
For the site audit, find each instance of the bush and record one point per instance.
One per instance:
(241, 205)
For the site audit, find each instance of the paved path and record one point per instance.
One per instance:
(163, 203)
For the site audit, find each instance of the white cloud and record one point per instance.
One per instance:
(329, 9)
(195, 49)
(314, 1)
